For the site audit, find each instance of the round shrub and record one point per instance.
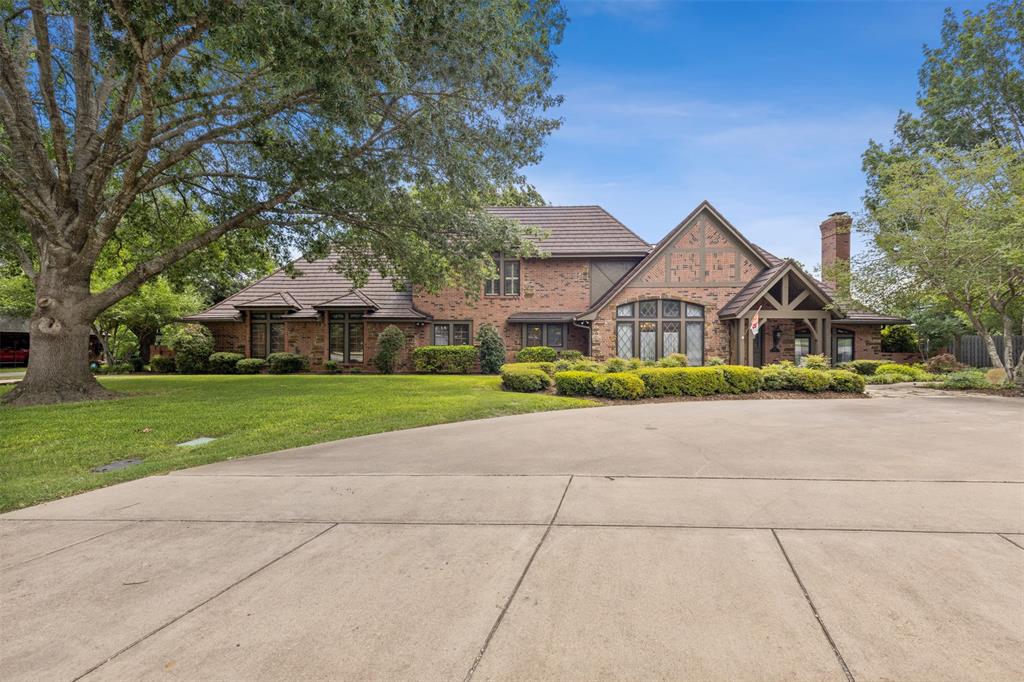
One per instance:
(660, 381)
(912, 373)
(575, 383)
(492, 349)
(966, 379)
(570, 355)
(995, 376)
(224, 363)
(390, 342)
(192, 345)
(777, 378)
(546, 367)
(444, 359)
(536, 354)
(615, 365)
(810, 380)
(332, 367)
(250, 365)
(162, 363)
(818, 362)
(524, 379)
(862, 367)
(845, 381)
(740, 379)
(286, 363)
(943, 363)
(619, 386)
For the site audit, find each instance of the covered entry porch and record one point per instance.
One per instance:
(795, 319)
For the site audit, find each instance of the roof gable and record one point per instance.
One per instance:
(353, 299)
(758, 287)
(704, 249)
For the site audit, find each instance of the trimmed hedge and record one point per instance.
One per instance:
(250, 365)
(164, 364)
(845, 381)
(619, 386)
(444, 359)
(786, 377)
(523, 379)
(546, 367)
(224, 363)
(286, 363)
(695, 381)
(537, 354)
(741, 379)
(571, 355)
(575, 383)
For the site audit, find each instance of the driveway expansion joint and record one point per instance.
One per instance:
(204, 602)
(1015, 544)
(814, 610)
(515, 588)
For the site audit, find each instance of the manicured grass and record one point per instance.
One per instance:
(46, 452)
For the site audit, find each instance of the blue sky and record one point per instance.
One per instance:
(762, 108)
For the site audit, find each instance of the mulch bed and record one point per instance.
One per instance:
(1016, 392)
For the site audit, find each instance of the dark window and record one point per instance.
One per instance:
(555, 335)
(266, 334)
(801, 347)
(651, 336)
(534, 335)
(544, 335)
(452, 334)
(345, 337)
(844, 346)
(507, 280)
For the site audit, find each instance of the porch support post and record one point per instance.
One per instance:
(750, 347)
(741, 341)
(827, 337)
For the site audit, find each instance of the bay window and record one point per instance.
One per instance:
(655, 328)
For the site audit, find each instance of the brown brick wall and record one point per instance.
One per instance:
(230, 337)
(555, 285)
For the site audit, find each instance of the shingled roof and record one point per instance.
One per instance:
(318, 285)
(577, 230)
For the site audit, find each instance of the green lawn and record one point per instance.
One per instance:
(46, 452)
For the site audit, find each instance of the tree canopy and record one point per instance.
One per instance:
(372, 128)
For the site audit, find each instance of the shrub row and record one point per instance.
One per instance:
(444, 359)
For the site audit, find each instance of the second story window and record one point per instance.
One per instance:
(507, 283)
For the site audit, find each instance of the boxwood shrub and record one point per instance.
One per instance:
(741, 379)
(546, 367)
(888, 378)
(537, 354)
(444, 359)
(912, 373)
(286, 363)
(575, 383)
(619, 386)
(250, 365)
(660, 381)
(224, 363)
(846, 381)
(810, 380)
(514, 377)
(162, 363)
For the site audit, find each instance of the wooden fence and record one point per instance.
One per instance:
(972, 349)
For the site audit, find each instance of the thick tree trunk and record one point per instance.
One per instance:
(146, 339)
(58, 365)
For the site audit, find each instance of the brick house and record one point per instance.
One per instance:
(598, 288)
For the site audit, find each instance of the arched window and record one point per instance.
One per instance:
(656, 328)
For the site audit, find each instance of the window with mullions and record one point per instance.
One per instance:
(346, 337)
(544, 335)
(653, 329)
(507, 281)
(843, 351)
(266, 334)
(452, 334)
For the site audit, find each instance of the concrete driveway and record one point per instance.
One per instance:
(876, 539)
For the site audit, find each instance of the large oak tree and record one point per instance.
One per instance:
(370, 127)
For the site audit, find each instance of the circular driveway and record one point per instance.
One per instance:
(768, 539)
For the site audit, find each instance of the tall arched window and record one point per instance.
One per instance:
(655, 328)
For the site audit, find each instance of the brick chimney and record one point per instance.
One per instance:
(835, 246)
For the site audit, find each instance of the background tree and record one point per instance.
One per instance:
(312, 120)
(951, 224)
